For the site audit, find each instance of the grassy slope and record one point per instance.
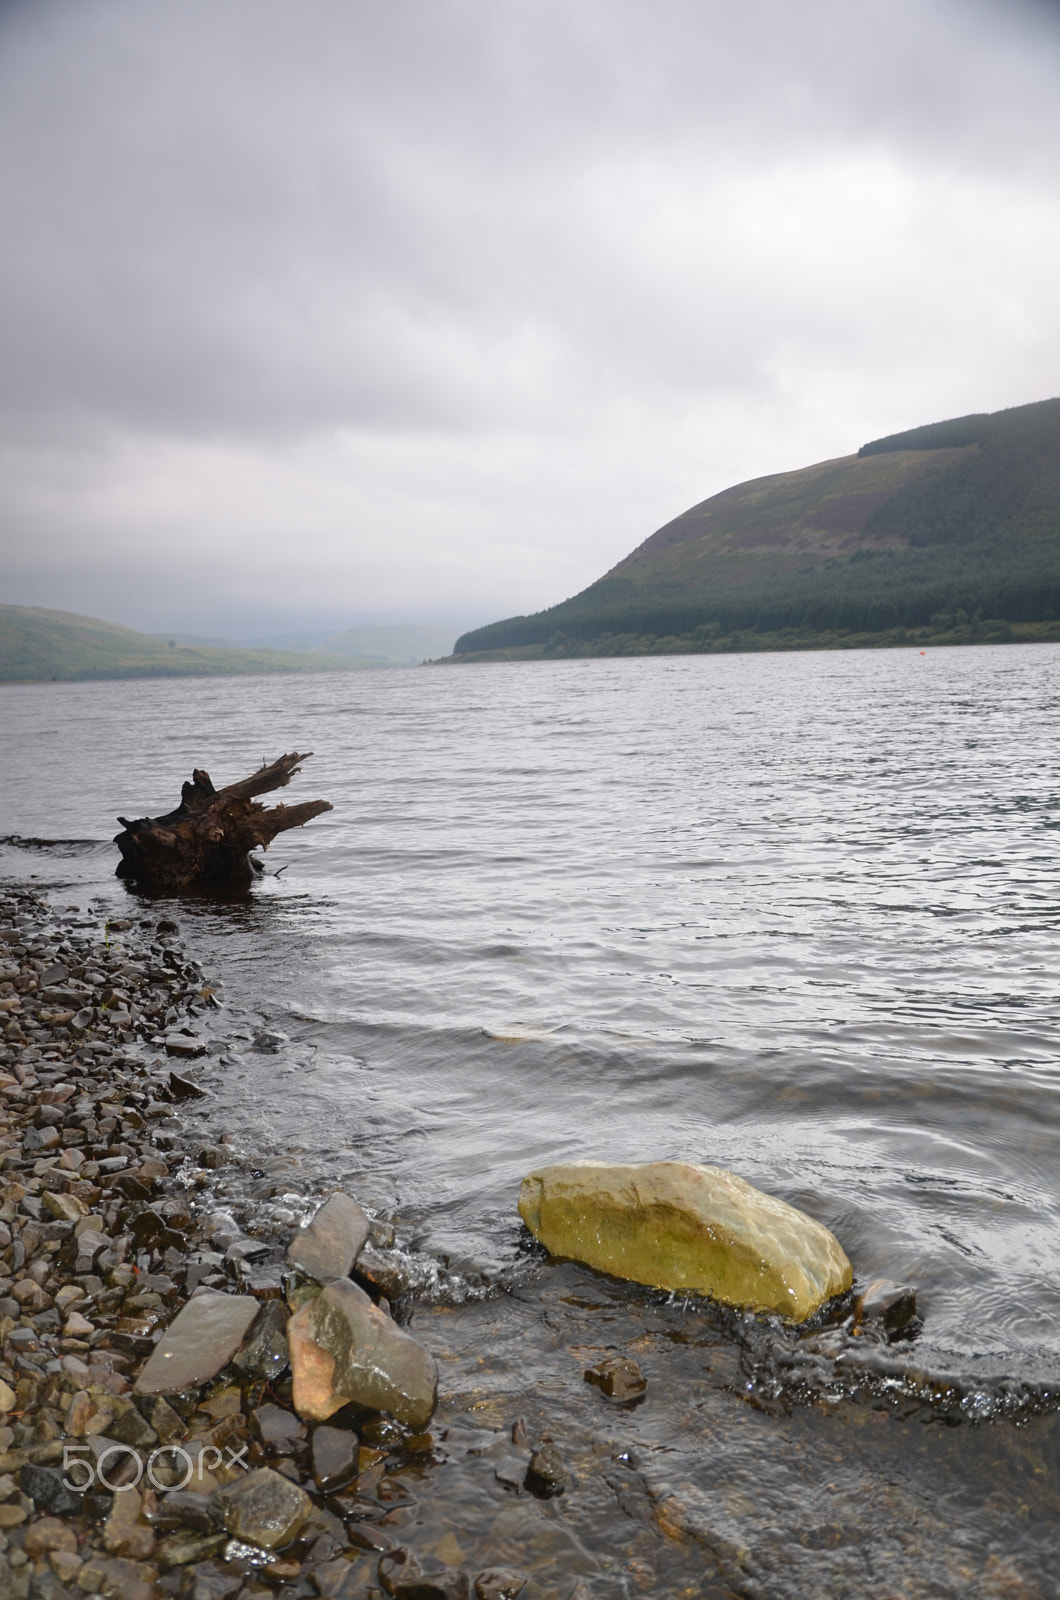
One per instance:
(914, 532)
(39, 644)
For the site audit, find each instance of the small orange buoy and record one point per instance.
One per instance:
(923, 652)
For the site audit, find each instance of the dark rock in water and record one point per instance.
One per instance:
(437, 1586)
(266, 1043)
(334, 1457)
(890, 1305)
(382, 1432)
(331, 1243)
(500, 1583)
(364, 1537)
(397, 1567)
(546, 1475)
(201, 1340)
(275, 1425)
(381, 1272)
(265, 1353)
(618, 1378)
(264, 1508)
(510, 1469)
(212, 1157)
(183, 1088)
(46, 1489)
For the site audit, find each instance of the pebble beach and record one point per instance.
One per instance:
(115, 1255)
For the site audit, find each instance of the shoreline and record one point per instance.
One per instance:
(109, 1229)
(453, 1500)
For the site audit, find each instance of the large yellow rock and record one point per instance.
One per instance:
(675, 1225)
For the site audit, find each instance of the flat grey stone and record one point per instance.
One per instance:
(329, 1246)
(183, 1045)
(199, 1342)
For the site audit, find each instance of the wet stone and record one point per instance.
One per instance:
(382, 1432)
(132, 1428)
(187, 1545)
(546, 1475)
(192, 1509)
(436, 1586)
(277, 1426)
(500, 1583)
(185, 1046)
(334, 1457)
(216, 1580)
(46, 1489)
(264, 1508)
(396, 1568)
(363, 1536)
(890, 1305)
(167, 1423)
(345, 1348)
(201, 1340)
(618, 1378)
(184, 1088)
(328, 1247)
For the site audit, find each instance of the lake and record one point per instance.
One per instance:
(795, 915)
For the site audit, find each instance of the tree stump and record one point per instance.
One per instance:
(206, 842)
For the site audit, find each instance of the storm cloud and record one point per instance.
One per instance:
(436, 309)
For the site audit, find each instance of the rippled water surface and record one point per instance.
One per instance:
(794, 915)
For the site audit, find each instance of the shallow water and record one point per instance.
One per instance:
(794, 915)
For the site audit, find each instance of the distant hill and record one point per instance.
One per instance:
(949, 532)
(40, 644)
(394, 642)
(401, 644)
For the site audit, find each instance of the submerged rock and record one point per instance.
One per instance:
(676, 1225)
(546, 1475)
(335, 1457)
(343, 1347)
(332, 1241)
(618, 1377)
(891, 1305)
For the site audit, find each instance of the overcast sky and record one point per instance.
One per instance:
(324, 311)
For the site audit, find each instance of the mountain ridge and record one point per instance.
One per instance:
(953, 520)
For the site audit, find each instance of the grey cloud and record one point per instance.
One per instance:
(319, 244)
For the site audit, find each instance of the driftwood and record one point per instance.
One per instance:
(207, 840)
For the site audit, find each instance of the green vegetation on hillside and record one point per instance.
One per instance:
(39, 644)
(957, 520)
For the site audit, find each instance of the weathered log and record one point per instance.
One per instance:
(207, 840)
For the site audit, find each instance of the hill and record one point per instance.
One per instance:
(36, 643)
(374, 644)
(948, 532)
(394, 643)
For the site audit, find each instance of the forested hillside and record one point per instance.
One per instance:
(949, 531)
